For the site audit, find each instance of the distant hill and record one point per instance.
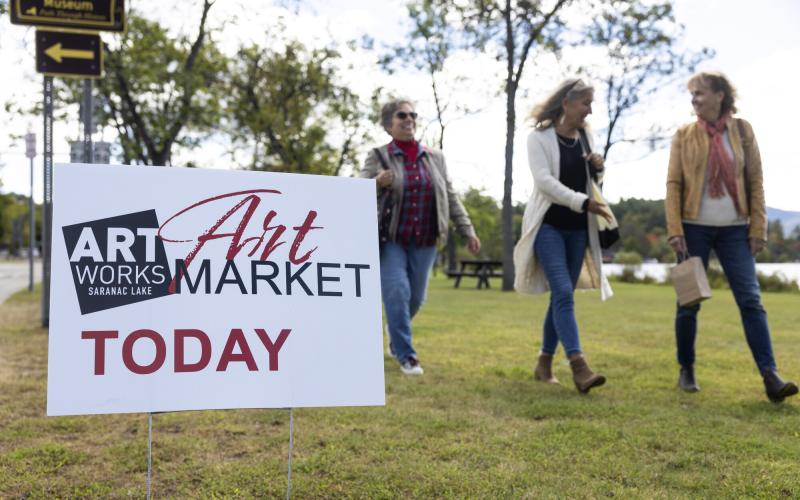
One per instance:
(642, 230)
(653, 211)
(789, 220)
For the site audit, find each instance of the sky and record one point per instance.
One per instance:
(757, 45)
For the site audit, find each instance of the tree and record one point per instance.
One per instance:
(642, 55)
(649, 212)
(288, 110)
(514, 27)
(14, 226)
(776, 245)
(432, 40)
(641, 226)
(161, 91)
(485, 216)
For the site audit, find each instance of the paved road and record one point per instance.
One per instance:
(14, 276)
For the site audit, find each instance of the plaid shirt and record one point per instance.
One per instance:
(418, 213)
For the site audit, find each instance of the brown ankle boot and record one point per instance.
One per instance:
(544, 369)
(583, 376)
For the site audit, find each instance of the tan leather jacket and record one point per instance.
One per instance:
(448, 206)
(688, 160)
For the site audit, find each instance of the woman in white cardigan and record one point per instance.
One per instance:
(559, 248)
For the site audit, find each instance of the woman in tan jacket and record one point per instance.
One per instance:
(715, 200)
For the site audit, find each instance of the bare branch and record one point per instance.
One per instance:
(535, 33)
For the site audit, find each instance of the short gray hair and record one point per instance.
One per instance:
(546, 113)
(389, 108)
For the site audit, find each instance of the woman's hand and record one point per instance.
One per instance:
(385, 178)
(678, 244)
(756, 245)
(598, 208)
(596, 160)
(474, 245)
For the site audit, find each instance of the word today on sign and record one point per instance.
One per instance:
(186, 289)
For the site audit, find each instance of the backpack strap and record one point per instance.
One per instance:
(587, 150)
(381, 159)
(746, 150)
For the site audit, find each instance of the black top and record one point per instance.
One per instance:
(572, 174)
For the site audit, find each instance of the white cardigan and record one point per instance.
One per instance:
(545, 160)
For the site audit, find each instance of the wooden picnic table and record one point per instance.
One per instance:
(483, 269)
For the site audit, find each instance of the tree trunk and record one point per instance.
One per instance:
(451, 250)
(507, 219)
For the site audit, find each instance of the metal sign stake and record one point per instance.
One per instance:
(30, 152)
(149, 451)
(289, 474)
(31, 234)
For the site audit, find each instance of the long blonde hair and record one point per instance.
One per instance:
(548, 112)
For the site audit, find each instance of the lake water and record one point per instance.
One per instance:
(661, 271)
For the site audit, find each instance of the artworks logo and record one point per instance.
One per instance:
(117, 261)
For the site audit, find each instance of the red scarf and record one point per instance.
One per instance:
(721, 166)
(410, 148)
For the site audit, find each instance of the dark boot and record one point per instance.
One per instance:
(686, 380)
(544, 369)
(777, 388)
(583, 376)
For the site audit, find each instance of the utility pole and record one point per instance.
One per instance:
(30, 152)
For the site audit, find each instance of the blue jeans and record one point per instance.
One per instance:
(732, 247)
(404, 279)
(560, 252)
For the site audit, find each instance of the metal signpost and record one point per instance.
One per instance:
(87, 120)
(61, 51)
(30, 152)
(47, 201)
(61, 54)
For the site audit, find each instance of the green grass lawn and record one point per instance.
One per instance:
(476, 425)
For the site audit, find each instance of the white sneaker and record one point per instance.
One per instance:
(411, 366)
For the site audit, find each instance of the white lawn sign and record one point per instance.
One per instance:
(188, 289)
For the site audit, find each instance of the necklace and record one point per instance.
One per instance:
(565, 143)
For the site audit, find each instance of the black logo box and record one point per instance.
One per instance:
(123, 293)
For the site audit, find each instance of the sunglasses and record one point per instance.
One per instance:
(403, 115)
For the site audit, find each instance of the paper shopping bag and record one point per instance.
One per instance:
(690, 282)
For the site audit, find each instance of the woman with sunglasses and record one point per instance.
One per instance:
(423, 201)
(559, 238)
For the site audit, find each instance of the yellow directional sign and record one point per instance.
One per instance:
(98, 15)
(69, 54)
(57, 52)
